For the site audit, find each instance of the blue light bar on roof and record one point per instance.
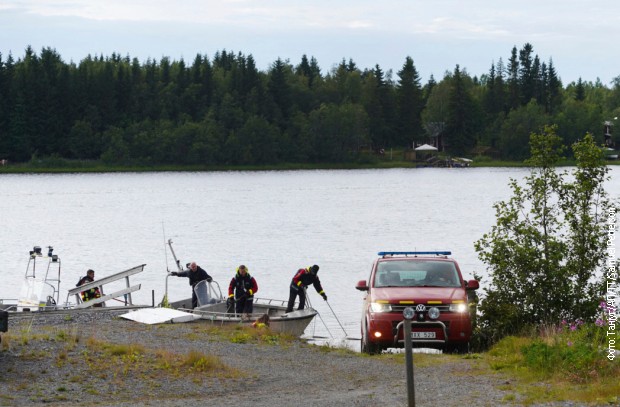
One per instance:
(414, 253)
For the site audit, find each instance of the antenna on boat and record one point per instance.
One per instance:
(165, 250)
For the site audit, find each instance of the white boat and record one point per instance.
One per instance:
(293, 323)
(212, 307)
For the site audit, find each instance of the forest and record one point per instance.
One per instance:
(222, 110)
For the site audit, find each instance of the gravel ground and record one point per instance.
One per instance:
(63, 372)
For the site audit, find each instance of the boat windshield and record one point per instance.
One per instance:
(409, 273)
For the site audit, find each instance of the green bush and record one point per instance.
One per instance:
(576, 351)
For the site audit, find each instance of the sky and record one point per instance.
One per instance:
(582, 37)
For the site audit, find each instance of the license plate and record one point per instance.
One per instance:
(422, 335)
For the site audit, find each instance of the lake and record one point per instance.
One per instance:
(274, 222)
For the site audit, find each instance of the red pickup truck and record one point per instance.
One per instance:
(429, 282)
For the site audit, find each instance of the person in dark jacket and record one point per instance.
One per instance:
(241, 292)
(302, 279)
(196, 274)
(92, 293)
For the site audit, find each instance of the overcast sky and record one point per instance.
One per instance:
(581, 36)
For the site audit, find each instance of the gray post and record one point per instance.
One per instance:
(409, 363)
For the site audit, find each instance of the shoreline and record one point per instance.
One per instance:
(96, 168)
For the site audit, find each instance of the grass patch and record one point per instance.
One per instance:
(241, 333)
(114, 362)
(124, 359)
(565, 363)
(199, 362)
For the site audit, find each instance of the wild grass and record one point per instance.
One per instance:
(239, 334)
(563, 362)
(114, 361)
(557, 363)
(132, 358)
(24, 336)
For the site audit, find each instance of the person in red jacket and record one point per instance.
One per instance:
(302, 279)
(241, 292)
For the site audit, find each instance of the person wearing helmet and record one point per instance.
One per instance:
(302, 279)
(196, 274)
(241, 292)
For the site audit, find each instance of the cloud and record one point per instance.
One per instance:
(580, 35)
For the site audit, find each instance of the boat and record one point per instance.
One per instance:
(212, 307)
(293, 323)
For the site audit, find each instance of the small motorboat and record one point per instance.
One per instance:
(293, 323)
(212, 307)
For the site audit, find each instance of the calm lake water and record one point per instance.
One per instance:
(273, 222)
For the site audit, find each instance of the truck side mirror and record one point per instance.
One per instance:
(362, 285)
(472, 285)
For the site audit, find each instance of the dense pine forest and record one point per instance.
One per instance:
(224, 111)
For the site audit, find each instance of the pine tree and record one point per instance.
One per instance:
(409, 94)
(280, 91)
(580, 92)
(463, 118)
(514, 95)
(527, 75)
(553, 97)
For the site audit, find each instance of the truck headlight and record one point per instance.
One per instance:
(460, 308)
(379, 307)
(433, 312)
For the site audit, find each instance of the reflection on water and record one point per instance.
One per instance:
(273, 222)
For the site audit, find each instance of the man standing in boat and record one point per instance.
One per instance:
(302, 279)
(92, 293)
(241, 292)
(196, 274)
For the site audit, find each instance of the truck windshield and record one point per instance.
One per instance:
(416, 273)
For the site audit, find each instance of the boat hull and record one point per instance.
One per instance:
(293, 323)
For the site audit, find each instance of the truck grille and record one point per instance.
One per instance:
(400, 308)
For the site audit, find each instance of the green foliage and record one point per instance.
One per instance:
(568, 358)
(225, 111)
(544, 253)
(515, 130)
(572, 351)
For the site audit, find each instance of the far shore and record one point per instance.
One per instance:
(46, 167)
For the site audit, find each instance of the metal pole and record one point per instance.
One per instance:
(330, 307)
(317, 312)
(409, 364)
